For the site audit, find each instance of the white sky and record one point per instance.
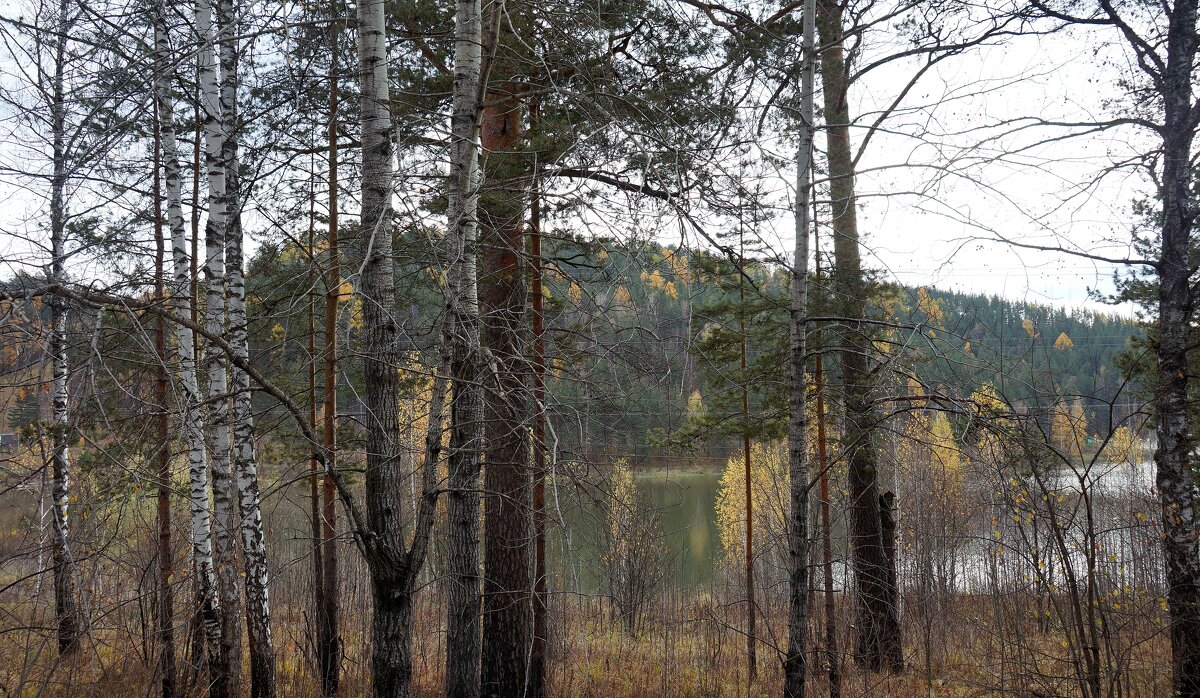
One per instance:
(947, 237)
(941, 237)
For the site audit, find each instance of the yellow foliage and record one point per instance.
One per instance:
(989, 407)
(1063, 342)
(916, 390)
(1124, 446)
(678, 263)
(929, 448)
(1068, 426)
(575, 293)
(1029, 328)
(413, 405)
(769, 499)
(278, 333)
(987, 401)
(931, 308)
(622, 297)
(695, 405)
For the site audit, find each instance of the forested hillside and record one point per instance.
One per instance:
(640, 335)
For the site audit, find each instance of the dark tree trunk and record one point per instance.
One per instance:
(382, 535)
(878, 640)
(166, 603)
(391, 633)
(507, 611)
(329, 644)
(537, 657)
(461, 337)
(795, 666)
(1176, 305)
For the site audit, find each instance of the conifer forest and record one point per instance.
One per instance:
(506, 348)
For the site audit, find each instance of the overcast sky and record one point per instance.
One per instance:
(940, 229)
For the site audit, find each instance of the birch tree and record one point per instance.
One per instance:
(461, 335)
(795, 662)
(192, 418)
(66, 593)
(393, 562)
(217, 423)
(244, 462)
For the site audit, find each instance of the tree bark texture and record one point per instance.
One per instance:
(66, 591)
(1176, 476)
(507, 584)
(225, 516)
(245, 463)
(461, 336)
(795, 662)
(877, 644)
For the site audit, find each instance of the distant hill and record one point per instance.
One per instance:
(632, 333)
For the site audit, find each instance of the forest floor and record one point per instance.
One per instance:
(594, 655)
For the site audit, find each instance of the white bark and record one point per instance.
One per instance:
(65, 590)
(794, 664)
(224, 504)
(192, 421)
(257, 579)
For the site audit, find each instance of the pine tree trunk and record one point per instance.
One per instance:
(391, 636)
(461, 335)
(751, 608)
(314, 465)
(66, 602)
(878, 627)
(537, 657)
(328, 641)
(795, 663)
(1174, 455)
(165, 607)
(507, 611)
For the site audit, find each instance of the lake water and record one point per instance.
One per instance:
(685, 504)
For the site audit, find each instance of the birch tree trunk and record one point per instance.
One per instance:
(461, 335)
(878, 627)
(1176, 307)
(192, 419)
(795, 663)
(391, 575)
(245, 466)
(66, 603)
(220, 465)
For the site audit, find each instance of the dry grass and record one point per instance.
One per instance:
(691, 647)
